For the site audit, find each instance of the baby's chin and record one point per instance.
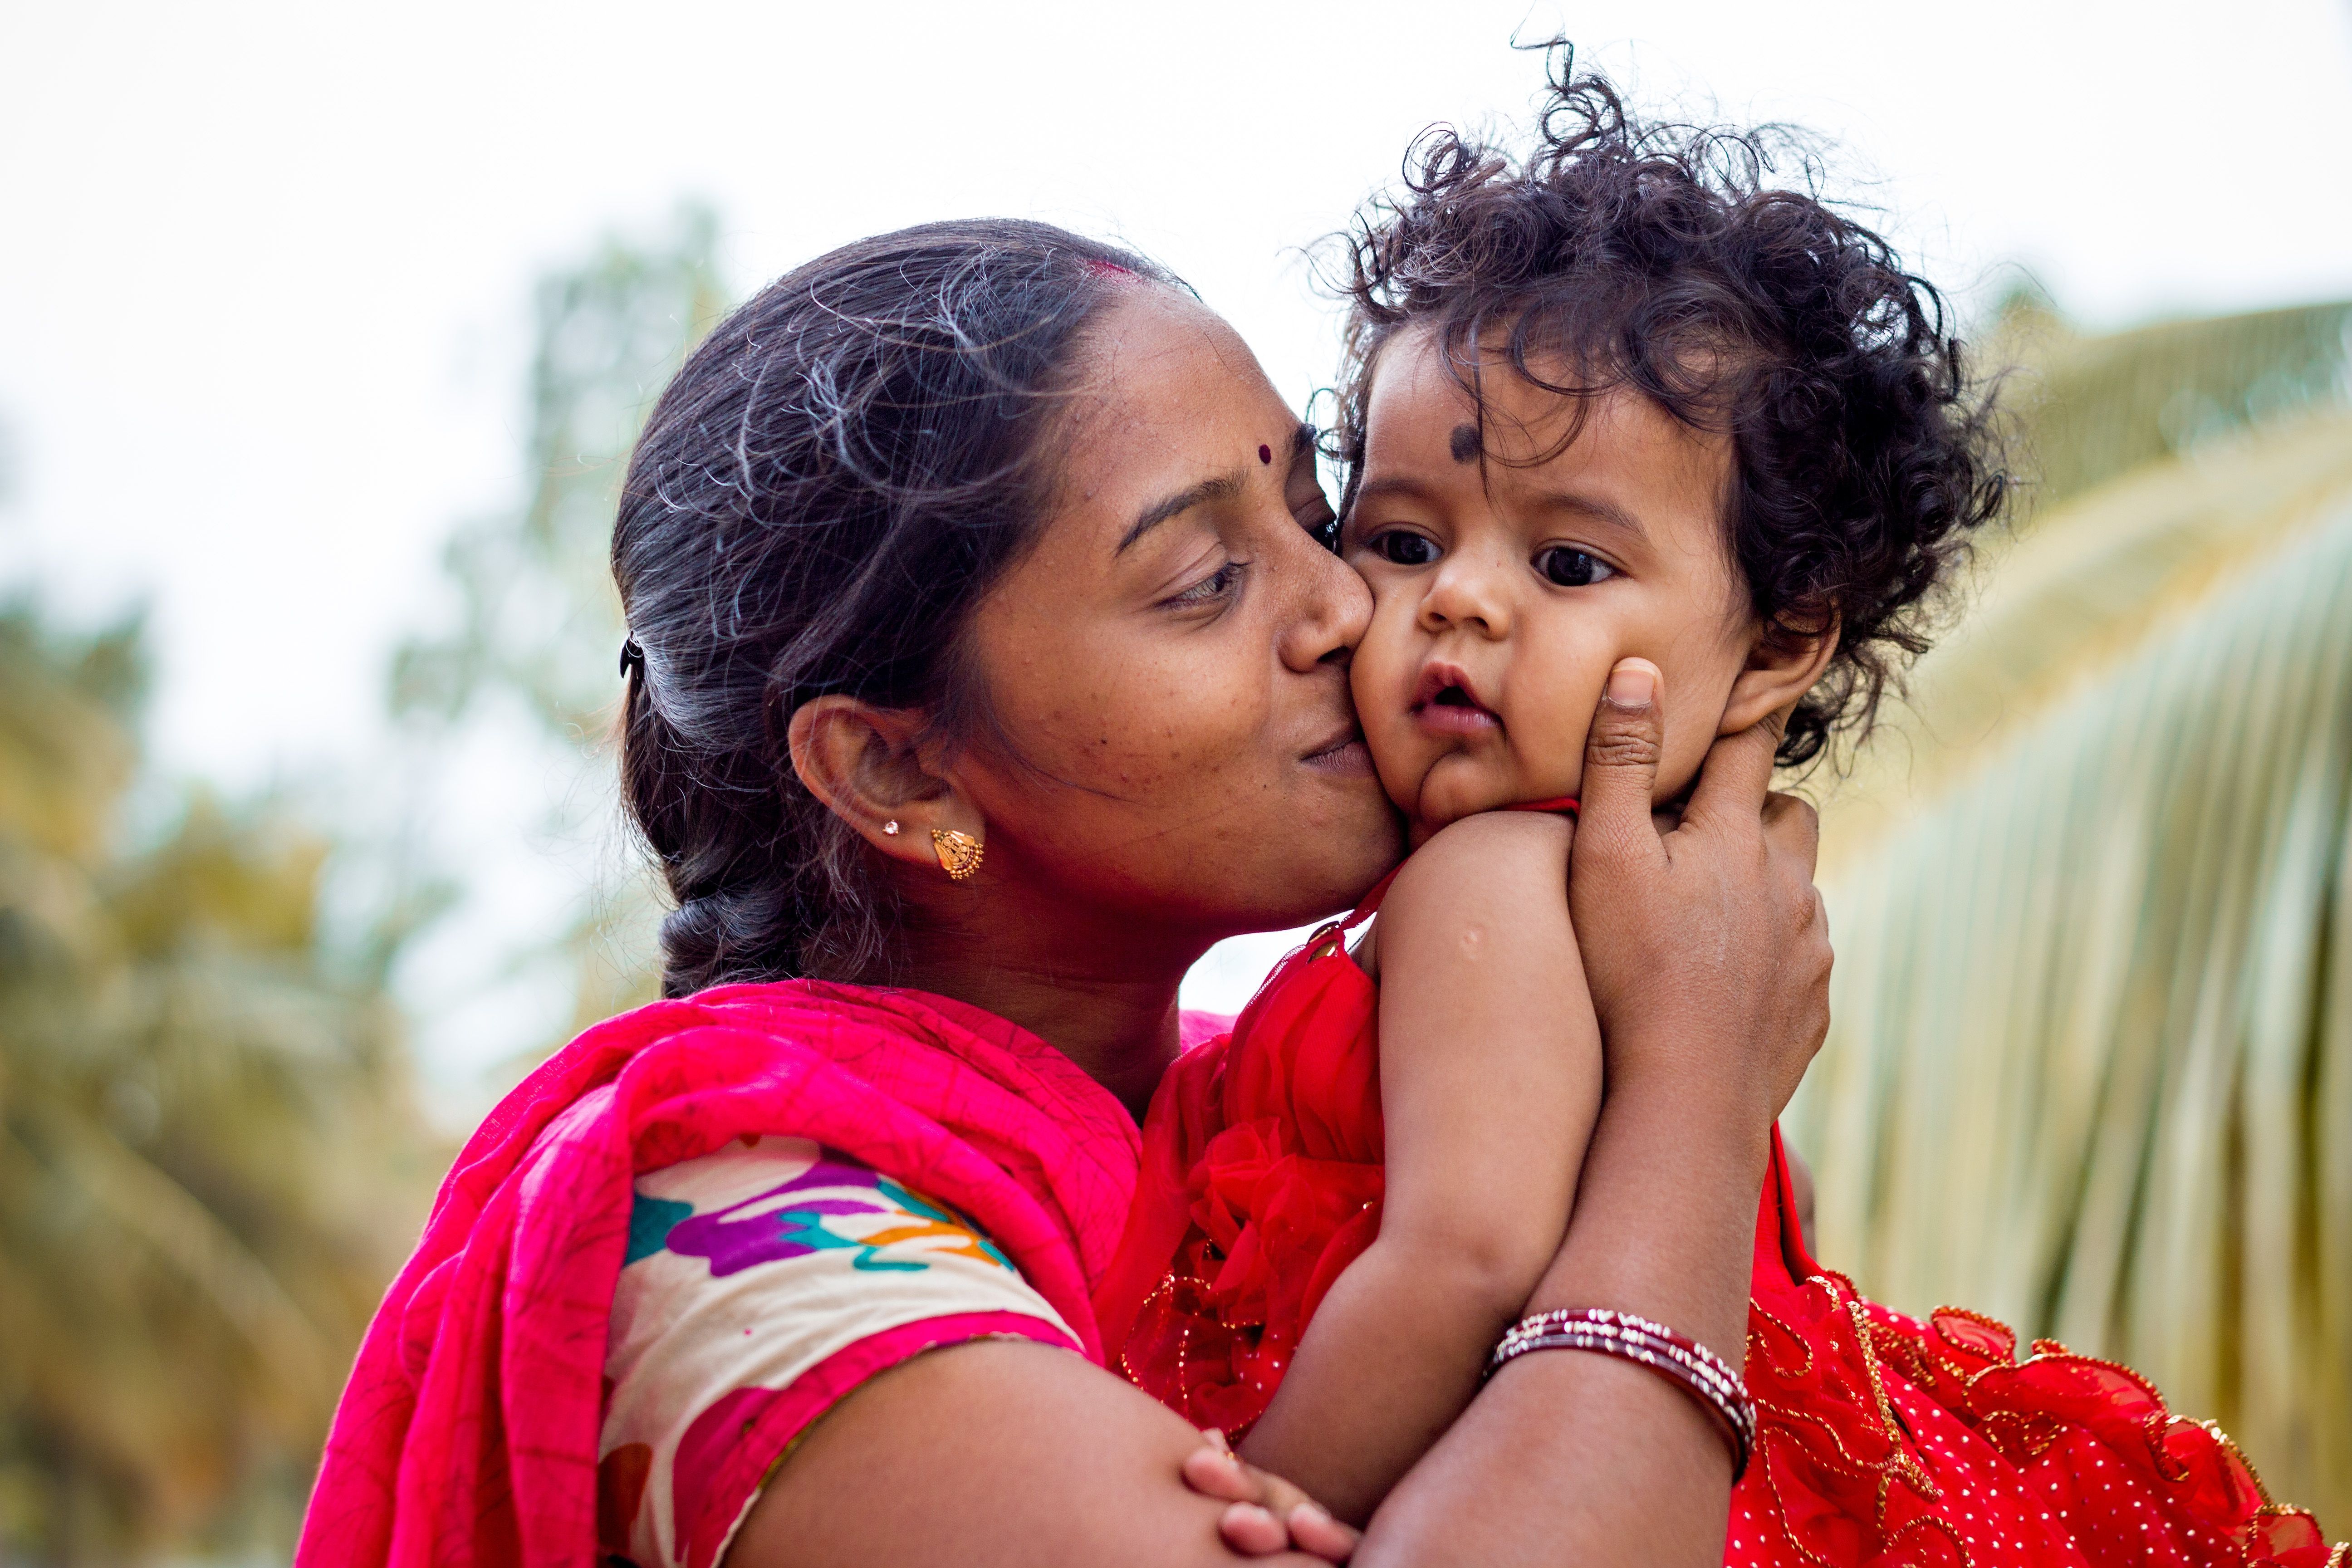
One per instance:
(1453, 791)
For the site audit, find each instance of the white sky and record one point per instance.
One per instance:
(264, 284)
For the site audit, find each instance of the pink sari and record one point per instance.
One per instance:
(468, 1431)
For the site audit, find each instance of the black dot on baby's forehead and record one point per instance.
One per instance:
(1465, 442)
(1265, 454)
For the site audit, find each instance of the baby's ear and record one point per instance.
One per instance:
(1785, 661)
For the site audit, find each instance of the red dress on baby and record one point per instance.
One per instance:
(1883, 1440)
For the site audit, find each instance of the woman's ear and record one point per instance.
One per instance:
(866, 763)
(1783, 663)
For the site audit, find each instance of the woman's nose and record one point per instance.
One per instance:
(1331, 606)
(1469, 592)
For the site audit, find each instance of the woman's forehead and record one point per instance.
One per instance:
(1167, 396)
(1154, 356)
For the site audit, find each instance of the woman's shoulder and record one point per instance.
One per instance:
(762, 1282)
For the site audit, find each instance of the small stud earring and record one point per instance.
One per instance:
(891, 828)
(959, 853)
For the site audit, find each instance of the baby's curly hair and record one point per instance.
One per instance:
(1653, 257)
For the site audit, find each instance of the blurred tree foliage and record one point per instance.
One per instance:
(537, 625)
(2090, 1067)
(209, 1163)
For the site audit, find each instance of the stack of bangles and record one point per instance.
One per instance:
(1696, 1370)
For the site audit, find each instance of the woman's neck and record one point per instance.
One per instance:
(1108, 1006)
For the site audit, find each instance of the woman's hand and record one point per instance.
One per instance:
(1705, 945)
(1267, 1514)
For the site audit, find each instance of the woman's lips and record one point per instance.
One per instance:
(1445, 703)
(1346, 754)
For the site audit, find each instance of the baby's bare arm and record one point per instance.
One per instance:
(1490, 1080)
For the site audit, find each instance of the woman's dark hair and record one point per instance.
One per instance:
(832, 481)
(1615, 255)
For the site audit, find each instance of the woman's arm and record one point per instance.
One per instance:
(1490, 1078)
(1710, 979)
(993, 1452)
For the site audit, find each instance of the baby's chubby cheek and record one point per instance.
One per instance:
(1547, 713)
(1549, 719)
(1401, 754)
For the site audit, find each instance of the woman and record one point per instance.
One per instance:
(987, 665)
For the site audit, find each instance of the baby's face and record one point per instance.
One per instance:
(1505, 591)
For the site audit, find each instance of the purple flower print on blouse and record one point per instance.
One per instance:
(834, 1204)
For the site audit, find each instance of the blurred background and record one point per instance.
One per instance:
(324, 335)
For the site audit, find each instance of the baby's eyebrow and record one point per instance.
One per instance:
(1394, 484)
(1599, 509)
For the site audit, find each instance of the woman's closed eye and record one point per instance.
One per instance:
(1568, 567)
(1214, 588)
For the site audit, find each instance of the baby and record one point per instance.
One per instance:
(1613, 415)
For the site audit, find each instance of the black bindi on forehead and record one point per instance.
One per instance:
(1464, 443)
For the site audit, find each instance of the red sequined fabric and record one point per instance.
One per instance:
(1883, 1440)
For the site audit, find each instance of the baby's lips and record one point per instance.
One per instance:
(1438, 677)
(1445, 719)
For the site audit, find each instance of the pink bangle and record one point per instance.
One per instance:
(1696, 1370)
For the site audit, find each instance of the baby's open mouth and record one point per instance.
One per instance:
(1445, 703)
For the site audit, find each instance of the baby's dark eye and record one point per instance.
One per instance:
(1400, 548)
(1573, 568)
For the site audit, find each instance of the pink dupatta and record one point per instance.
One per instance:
(468, 1434)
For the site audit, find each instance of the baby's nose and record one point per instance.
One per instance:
(1470, 594)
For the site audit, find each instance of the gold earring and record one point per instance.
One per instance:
(959, 853)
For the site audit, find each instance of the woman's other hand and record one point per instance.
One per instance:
(1267, 1514)
(1706, 943)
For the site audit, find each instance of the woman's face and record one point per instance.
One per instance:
(1166, 668)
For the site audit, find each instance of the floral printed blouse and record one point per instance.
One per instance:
(763, 1283)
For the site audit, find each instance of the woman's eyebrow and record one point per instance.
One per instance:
(1224, 486)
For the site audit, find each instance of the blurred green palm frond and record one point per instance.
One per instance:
(2092, 408)
(2091, 1063)
(208, 1160)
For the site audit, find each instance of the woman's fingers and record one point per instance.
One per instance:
(1621, 763)
(1794, 828)
(1706, 952)
(1737, 774)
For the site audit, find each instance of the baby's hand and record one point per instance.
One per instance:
(1267, 1514)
